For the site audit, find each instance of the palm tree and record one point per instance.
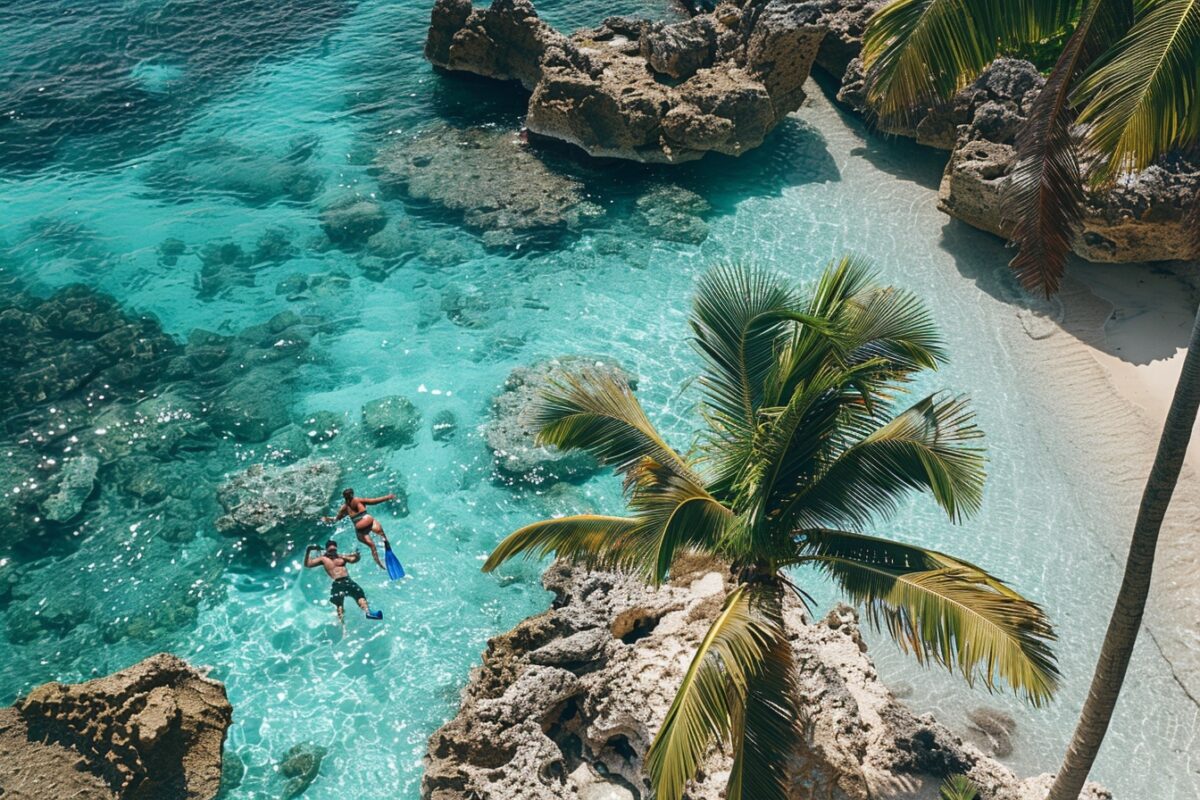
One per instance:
(804, 447)
(1121, 95)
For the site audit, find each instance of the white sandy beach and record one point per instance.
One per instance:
(1112, 346)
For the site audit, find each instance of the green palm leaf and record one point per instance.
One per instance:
(955, 619)
(921, 52)
(959, 787)
(1141, 102)
(766, 731)
(714, 689)
(600, 414)
(588, 538)
(930, 447)
(737, 317)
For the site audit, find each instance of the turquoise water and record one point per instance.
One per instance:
(235, 122)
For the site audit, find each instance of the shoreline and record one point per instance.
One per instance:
(1105, 353)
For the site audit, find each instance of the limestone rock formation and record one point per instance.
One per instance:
(154, 731)
(268, 504)
(635, 89)
(1142, 218)
(391, 421)
(846, 21)
(510, 433)
(565, 705)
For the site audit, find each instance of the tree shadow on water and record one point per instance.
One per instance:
(1137, 312)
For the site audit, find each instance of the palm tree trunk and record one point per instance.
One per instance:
(1135, 586)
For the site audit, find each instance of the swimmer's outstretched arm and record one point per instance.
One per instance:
(375, 500)
(343, 511)
(308, 559)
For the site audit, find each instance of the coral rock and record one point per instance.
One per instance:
(155, 730)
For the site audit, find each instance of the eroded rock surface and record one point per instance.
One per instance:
(636, 89)
(510, 434)
(151, 732)
(565, 705)
(1142, 218)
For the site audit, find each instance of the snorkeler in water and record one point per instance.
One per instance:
(364, 524)
(342, 587)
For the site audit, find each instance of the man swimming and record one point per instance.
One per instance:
(364, 523)
(342, 587)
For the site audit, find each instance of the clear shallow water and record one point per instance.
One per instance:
(218, 123)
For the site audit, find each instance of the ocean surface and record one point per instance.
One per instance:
(177, 155)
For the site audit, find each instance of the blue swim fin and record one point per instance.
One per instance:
(394, 568)
(375, 615)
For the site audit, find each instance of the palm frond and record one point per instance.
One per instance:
(737, 317)
(672, 513)
(594, 539)
(952, 618)
(714, 688)
(890, 554)
(1043, 201)
(894, 326)
(930, 447)
(765, 729)
(599, 413)
(921, 52)
(958, 787)
(1142, 102)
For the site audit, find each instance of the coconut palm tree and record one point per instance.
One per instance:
(1121, 95)
(806, 444)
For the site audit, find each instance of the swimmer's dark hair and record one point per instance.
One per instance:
(348, 494)
(330, 543)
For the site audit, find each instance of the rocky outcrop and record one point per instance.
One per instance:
(510, 434)
(846, 22)
(565, 705)
(634, 89)
(1142, 218)
(489, 176)
(267, 505)
(151, 732)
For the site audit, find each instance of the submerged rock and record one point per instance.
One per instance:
(565, 705)
(76, 482)
(268, 505)
(299, 768)
(490, 177)
(635, 89)
(351, 220)
(510, 434)
(673, 213)
(391, 421)
(155, 730)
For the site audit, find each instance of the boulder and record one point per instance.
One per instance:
(673, 213)
(351, 220)
(251, 408)
(565, 705)
(846, 22)
(444, 426)
(299, 768)
(76, 481)
(510, 434)
(490, 177)
(155, 730)
(269, 505)
(642, 91)
(391, 421)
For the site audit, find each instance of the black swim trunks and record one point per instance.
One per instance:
(343, 588)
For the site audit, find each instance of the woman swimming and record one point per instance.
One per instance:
(364, 524)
